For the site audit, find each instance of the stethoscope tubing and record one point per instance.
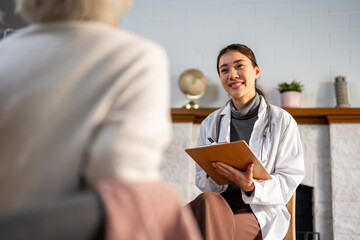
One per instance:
(267, 128)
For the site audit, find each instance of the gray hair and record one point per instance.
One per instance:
(108, 11)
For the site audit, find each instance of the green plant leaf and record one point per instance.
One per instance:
(293, 86)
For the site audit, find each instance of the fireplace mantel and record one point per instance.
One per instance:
(301, 115)
(331, 157)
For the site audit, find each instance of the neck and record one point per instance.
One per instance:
(241, 103)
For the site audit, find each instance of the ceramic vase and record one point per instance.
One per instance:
(341, 91)
(290, 99)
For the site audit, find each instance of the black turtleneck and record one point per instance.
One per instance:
(242, 125)
(243, 120)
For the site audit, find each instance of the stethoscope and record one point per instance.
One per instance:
(267, 129)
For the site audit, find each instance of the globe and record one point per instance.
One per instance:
(192, 83)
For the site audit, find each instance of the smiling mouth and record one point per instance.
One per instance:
(237, 84)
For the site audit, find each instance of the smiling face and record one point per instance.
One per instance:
(238, 75)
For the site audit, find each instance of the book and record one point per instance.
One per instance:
(237, 154)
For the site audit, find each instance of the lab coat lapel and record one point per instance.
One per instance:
(256, 138)
(224, 134)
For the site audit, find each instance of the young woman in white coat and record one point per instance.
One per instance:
(251, 208)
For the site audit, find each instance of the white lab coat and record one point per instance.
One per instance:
(282, 157)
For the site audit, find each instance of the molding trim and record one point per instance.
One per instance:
(301, 115)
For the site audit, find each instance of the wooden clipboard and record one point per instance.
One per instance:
(237, 154)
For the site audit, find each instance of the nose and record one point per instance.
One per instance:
(233, 74)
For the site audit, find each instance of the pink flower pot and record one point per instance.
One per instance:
(290, 99)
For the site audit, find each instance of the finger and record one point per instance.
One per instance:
(224, 172)
(222, 169)
(250, 168)
(226, 169)
(226, 166)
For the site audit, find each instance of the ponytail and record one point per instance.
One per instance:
(257, 89)
(261, 93)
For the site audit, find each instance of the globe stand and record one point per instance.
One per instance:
(192, 83)
(191, 105)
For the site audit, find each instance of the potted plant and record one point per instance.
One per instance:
(290, 94)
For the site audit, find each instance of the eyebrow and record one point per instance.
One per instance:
(236, 61)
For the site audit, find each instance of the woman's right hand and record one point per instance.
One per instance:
(243, 179)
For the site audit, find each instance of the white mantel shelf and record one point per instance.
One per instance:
(301, 115)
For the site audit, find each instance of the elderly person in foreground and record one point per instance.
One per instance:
(83, 103)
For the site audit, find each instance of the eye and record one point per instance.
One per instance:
(224, 70)
(239, 66)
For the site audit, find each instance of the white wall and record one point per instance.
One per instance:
(310, 40)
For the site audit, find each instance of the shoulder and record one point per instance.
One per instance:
(281, 116)
(128, 51)
(120, 42)
(213, 117)
(139, 44)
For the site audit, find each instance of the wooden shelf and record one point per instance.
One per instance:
(301, 115)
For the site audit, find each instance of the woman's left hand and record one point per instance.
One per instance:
(242, 179)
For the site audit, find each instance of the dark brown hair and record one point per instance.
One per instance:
(243, 50)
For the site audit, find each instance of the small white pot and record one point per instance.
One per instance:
(290, 99)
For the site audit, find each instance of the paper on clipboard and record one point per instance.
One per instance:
(237, 154)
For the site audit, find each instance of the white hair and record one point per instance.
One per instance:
(108, 11)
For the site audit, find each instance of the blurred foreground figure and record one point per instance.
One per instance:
(83, 102)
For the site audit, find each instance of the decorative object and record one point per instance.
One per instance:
(290, 94)
(192, 83)
(341, 91)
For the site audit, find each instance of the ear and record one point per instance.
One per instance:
(125, 5)
(257, 72)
